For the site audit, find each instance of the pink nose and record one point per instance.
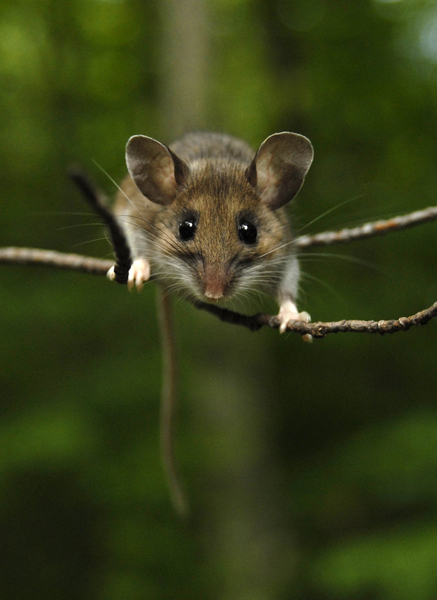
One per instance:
(215, 284)
(214, 290)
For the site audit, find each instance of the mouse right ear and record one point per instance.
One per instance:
(155, 169)
(278, 170)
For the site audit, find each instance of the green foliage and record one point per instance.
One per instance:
(310, 468)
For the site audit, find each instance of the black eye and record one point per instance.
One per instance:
(187, 229)
(247, 232)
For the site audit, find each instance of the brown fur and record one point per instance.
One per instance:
(217, 191)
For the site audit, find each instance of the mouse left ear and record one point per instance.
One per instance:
(278, 170)
(155, 169)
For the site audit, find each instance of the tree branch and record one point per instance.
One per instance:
(60, 260)
(96, 266)
(368, 230)
(319, 329)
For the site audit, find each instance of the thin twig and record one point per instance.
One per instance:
(368, 230)
(51, 258)
(319, 329)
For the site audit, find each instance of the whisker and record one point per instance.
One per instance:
(89, 242)
(329, 287)
(330, 210)
(112, 180)
(66, 214)
(321, 216)
(290, 242)
(65, 227)
(345, 257)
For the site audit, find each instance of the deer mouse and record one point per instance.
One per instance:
(205, 216)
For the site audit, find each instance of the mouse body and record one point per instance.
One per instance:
(205, 216)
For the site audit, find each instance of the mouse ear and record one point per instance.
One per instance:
(155, 169)
(279, 167)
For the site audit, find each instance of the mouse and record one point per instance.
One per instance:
(205, 218)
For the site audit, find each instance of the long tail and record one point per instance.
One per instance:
(169, 403)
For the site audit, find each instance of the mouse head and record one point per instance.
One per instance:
(223, 214)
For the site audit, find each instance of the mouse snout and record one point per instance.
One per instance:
(216, 282)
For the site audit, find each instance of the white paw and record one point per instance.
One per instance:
(139, 273)
(111, 274)
(288, 312)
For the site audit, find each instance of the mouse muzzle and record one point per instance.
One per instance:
(216, 283)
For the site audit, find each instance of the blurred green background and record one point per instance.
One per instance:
(312, 469)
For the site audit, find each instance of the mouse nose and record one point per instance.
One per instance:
(215, 283)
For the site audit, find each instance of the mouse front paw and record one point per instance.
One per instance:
(111, 274)
(287, 313)
(139, 273)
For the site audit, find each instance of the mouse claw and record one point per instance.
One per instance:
(139, 273)
(111, 274)
(288, 313)
(303, 317)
